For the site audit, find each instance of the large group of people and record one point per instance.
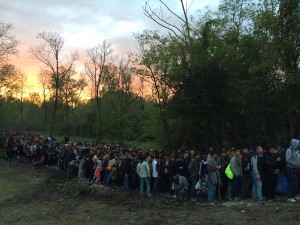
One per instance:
(230, 174)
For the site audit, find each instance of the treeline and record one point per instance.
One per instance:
(117, 125)
(229, 77)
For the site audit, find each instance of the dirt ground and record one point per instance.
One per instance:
(39, 196)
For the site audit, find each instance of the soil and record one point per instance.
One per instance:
(46, 196)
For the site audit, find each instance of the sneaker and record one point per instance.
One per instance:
(261, 203)
(149, 195)
(174, 196)
(211, 203)
(193, 199)
(291, 200)
(236, 199)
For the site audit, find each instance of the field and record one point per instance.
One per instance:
(45, 196)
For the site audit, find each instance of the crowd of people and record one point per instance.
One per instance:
(229, 174)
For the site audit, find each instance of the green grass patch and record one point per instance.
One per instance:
(69, 188)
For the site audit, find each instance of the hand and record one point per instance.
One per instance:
(258, 178)
(219, 167)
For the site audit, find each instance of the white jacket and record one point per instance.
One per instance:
(143, 169)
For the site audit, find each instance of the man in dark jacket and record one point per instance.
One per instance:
(183, 165)
(272, 165)
(246, 161)
(194, 174)
(125, 171)
(223, 162)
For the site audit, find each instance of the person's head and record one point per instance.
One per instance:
(197, 156)
(149, 158)
(237, 152)
(232, 151)
(295, 144)
(259, 149)
(186, 155)
(245, 150)
(172, 157)
(215, 155)
(223, 153)
(272, 151)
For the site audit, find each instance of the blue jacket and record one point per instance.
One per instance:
(292, 156)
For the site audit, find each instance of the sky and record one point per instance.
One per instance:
(82, 24)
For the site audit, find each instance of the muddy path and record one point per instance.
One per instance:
(35, 196)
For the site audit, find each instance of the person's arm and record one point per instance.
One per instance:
(211, 168)
(148, 169)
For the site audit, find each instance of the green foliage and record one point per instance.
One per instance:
(232, 80)
(68, 187)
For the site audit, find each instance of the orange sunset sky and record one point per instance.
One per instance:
(83, 24)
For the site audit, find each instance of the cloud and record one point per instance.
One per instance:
(83, 24)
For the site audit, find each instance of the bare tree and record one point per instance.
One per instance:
(20, 91)
(70, 94)
(99, 59)
(49, 52)
(170, 22)
(8, 42)
(44, 79)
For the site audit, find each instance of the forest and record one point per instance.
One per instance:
(222, 78)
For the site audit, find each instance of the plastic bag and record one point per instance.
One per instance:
(228, 172)
(282, 185)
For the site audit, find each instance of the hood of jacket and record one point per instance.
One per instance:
(294, 144)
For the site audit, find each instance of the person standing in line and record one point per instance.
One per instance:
(214, 177)
(237, 170)
(143, 171)
(257, 164)
(193, 169)
(246, 161)
(155, 166)
(293, 169)
(271, 172)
